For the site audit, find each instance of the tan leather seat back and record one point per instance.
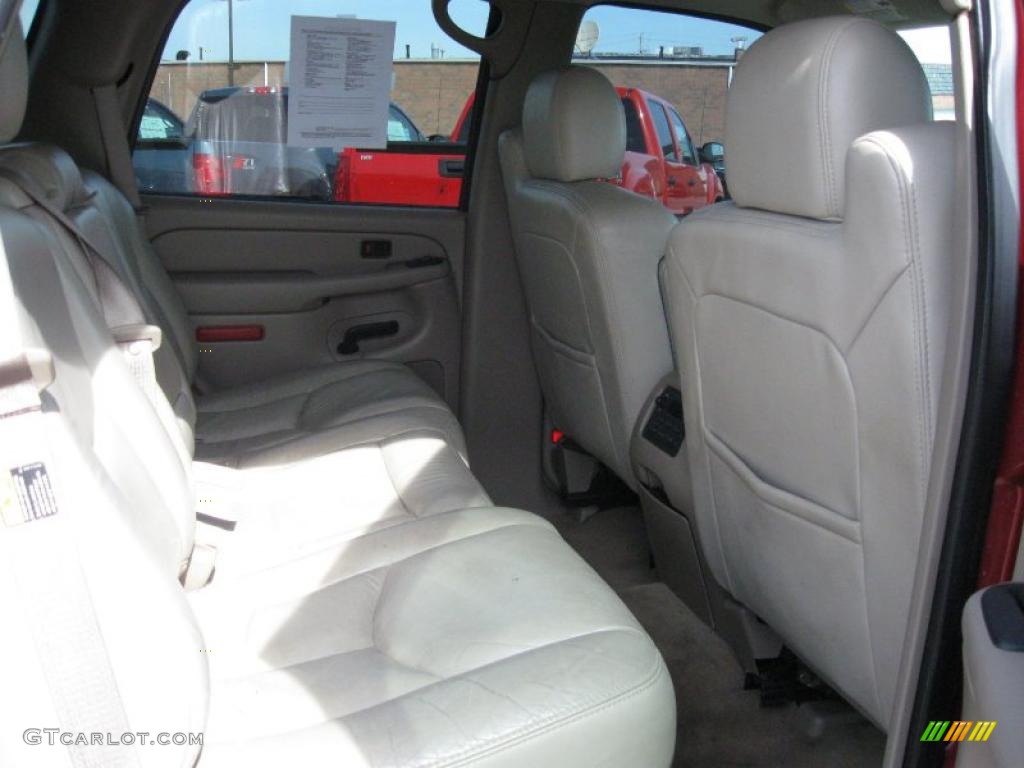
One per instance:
(588, 253)
(810, 316)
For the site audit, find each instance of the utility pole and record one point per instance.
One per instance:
(703, 103)
(231, 42)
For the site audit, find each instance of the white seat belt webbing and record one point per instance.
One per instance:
(121, 310)
(41, 557)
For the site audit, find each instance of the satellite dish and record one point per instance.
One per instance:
(586, 38)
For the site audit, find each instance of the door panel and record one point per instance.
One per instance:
(677, 187)
(696, 186)
(685, 187)
(993, 629)
(321, 283)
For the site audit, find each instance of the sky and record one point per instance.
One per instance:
(262, 28)
(930, 44)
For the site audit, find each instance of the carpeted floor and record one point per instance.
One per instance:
(719, 724)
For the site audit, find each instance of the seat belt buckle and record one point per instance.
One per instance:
(200, 567)
(128, 335)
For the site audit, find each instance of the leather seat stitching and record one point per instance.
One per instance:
(552, 723)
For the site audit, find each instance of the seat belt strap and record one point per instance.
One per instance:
(136, 339)
(39, 552)
(120, 170)
(120, 306)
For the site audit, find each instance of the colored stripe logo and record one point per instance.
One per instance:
(958, 730)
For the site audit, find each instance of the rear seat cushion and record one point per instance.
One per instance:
(472, 637)
(235, 425)
(291, 509)
(462, 637)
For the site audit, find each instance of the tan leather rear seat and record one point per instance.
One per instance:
(398, 460)
(232, 427)
(463, 637)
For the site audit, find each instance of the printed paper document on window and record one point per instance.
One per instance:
(340, 82)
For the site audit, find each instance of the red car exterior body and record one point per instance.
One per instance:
(386, 177)
(668, 173)
(672, 172)
(397, 178)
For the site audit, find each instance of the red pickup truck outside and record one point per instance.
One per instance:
(661, 161)
(402, 177)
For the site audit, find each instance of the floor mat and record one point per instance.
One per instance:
(719, 724)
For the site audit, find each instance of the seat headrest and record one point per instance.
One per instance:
(574, 126)
(800, 96)
(50, 169)
(13, 72)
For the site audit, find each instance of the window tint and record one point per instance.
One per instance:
(332, 100)
(685, 145)
(400, 127)
(159, 123)
(635, 141)
(661, 127)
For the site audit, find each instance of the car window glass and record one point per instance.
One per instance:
(685, 61)
(397, 130)
(635, 141)
(661, 127)
(470, 16)
(27, 14)
(403, 127)
(685, 145)
(676, 70)
(226, 75)
(933, 48)
(158, 123)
